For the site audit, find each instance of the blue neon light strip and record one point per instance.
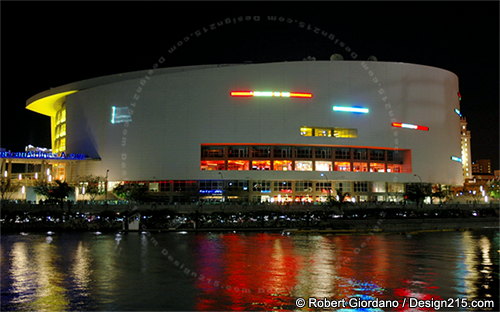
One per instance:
(351, 109)
(458, 112)
(457, 159)
(41, 155)
(211, 191)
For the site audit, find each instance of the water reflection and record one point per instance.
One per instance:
(37, 280)
(260, 271)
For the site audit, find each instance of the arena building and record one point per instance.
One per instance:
(279, 132)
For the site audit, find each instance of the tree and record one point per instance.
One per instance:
(93, 186)
(58, 191)
(8, 187)
(131, 191)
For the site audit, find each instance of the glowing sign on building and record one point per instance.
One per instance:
(351, 109)
(42, 155)
(409, 126)
(120, 115)
(457, 159)
(457, 111)
(271, 94)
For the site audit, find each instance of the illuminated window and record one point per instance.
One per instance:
(213, 165)
(120, 114)
(323, 166)
(345, 133)
(62, 146)
(342, 166)
(154, 187)
(303, 186)
(324, 187)
(303, 165)
(282, 165)
(261, 165)
(324, 132)
(377, 167)
(394, 168)
(306, 131)
(238, 165)
(329, 132)
(378, 187)
(360, 167)
(396, 187)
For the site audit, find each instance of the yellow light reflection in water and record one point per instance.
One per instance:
(321, 279)
(81, 268)
(471, 263)
(21, 272)
(37, 282)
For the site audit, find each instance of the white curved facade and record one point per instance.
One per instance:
(175, 111)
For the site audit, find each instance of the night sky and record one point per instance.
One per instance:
(47, 44)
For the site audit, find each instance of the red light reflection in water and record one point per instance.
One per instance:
(268, 271)
(415, 292)
(257, 282)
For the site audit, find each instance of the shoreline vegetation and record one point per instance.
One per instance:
(363, 218)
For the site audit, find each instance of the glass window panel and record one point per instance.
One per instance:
(360, 154)
(396, 168)
(304, 152)
(323, 166)
(345, 133)
(303, 165)
(377, 167)
(213, 165)
(238, 165)
(322, 132)
(359, 167)
(238, 151)
(282, 165)
(261, 165)
(342, 153)
(306, 131)
(342, 166)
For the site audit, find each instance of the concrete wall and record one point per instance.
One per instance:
(178, 111)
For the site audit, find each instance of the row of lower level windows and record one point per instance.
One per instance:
(302, 165)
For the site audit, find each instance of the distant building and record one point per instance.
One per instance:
(466, 149)
(482, 166)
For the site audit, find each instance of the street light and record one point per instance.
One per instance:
(329, 190)
(106, 187)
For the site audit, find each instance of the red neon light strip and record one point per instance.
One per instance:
(409, 126)
(301, 95)
(273, 94)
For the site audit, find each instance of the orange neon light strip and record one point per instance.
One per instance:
(271, 94)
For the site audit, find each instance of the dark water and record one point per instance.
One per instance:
(258, 271)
